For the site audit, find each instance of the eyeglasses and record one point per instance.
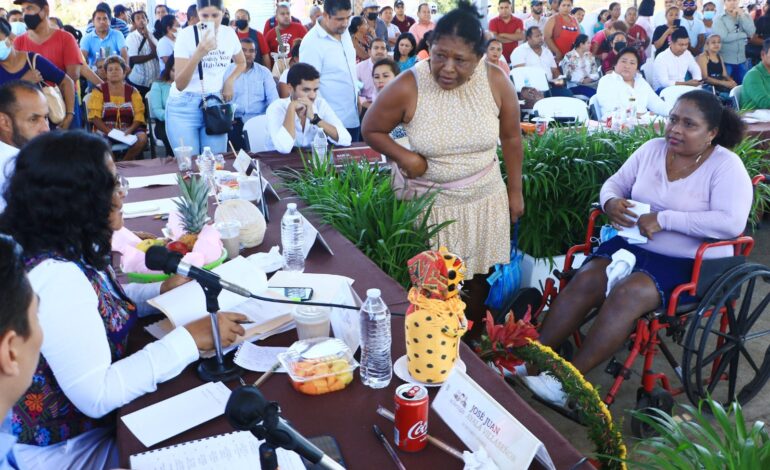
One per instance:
(121, 185)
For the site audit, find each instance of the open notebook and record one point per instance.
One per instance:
(187, 303)
(233, 451)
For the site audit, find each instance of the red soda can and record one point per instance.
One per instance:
(411, 422)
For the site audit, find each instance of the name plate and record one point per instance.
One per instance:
(481, 422)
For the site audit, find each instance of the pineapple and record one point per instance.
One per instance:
(193, 207)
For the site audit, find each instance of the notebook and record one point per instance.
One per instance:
(232, 451)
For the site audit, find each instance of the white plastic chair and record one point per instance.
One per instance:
(672, 93)
(563, 107)
(535, 76)
(255, 133)
(735, 94)
(647, 70)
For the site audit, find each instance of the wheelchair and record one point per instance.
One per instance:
(727, 297)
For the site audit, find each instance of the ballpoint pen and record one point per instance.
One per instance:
(388, 447)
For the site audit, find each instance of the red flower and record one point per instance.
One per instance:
(511, 334)
(34, 403)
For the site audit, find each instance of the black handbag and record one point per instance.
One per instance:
(218, 117)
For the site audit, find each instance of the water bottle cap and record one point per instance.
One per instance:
(207, 149)
(292, 206)
(373, 293)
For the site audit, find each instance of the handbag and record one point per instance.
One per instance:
(407, 189)
(506, 280)
(218, 117)
(57, 111)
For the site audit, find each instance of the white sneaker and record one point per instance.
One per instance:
(548, 388)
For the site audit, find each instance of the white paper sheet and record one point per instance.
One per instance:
(234, 451)
(151, 207)
(259, 358)
(166, 179)
(123, 138)
(311, 235)
(632, 233)
(174, 415)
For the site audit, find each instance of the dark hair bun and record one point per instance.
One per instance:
(463, 22)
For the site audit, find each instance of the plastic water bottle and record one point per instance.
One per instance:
(206, 162)
(292, 239)
(526, 82)
(376, 365)
(320, 145)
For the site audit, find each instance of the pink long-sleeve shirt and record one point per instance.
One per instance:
(713, 202)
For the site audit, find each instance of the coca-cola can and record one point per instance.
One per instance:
(411, 423)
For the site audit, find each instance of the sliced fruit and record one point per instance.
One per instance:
(178, 247)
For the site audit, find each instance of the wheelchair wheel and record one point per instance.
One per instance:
(659, 399)
(726, 348)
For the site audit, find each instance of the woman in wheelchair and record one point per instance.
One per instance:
(696, 188)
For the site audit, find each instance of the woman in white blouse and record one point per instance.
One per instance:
(211, 53)
(65, 200)
(580, 67)
(616, 89)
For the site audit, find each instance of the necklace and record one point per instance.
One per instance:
(678, 174)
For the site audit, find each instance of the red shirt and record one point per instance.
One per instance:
(498, 26)
(289, 34)
(270, 24)
(260, 38)
(403, 25)
(61, 49)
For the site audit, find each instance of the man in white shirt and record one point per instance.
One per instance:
(537, 18)
(378, 50)
(141, 46)
(533, 54)
(695, 27)
(671, 66)
(23, 116)
(329, 49)
(296, 120)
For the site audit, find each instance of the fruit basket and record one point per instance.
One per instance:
(319, 365)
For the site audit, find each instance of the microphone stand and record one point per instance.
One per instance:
(217, 368)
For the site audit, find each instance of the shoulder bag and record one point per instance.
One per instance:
(57, 111)
(218, 117)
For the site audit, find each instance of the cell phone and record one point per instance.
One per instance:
(206, 25)
(303, 294)
(328, 446)
(677, 22)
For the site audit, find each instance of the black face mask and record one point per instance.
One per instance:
(226, 21)
(619, 46)
(371, 16)
(689, 12)
(241, 24)
(32, 21)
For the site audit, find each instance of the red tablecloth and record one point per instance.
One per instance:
(347, 415)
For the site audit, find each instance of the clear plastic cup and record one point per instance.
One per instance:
(312, 321)
(229, 232)
(183, 157)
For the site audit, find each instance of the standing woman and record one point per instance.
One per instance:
(561, 30)
(661, 37)
(359, 30)
(211, 53)
(454, 107)
(166, 36)
(735, 28)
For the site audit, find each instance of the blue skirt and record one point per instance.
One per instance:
(667, 272)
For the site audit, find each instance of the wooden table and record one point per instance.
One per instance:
(347, 415)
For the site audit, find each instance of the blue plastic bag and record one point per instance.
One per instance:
(506, 279)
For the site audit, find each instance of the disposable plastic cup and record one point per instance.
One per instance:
(183, 157)
(229, 232)
(312, 322)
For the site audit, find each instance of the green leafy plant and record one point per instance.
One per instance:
(357, 200)
(564, 170)
(714, 438)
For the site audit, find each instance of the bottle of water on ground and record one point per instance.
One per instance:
(376, 364)
(292, 239)
(320, 145)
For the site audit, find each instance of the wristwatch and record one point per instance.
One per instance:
(316, 119)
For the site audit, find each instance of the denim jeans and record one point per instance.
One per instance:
(184, 123)
(737, 71)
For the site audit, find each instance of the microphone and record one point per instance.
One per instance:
(159, 258)
(248, 410)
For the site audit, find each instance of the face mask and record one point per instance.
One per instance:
(689, 12)
(241, 24)
(5, 49)
(372, 16)
(18, 28)
(32, 21)
(709, 15)
(226, 21)
(619, 46)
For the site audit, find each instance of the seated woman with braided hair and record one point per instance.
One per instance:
(697, 189)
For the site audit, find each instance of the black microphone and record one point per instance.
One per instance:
(247, 408)
(159, 258)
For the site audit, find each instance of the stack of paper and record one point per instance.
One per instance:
(145, 208)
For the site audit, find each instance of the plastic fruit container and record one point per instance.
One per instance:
(319, 365)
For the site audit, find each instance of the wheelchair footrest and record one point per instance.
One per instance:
(615, 368)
